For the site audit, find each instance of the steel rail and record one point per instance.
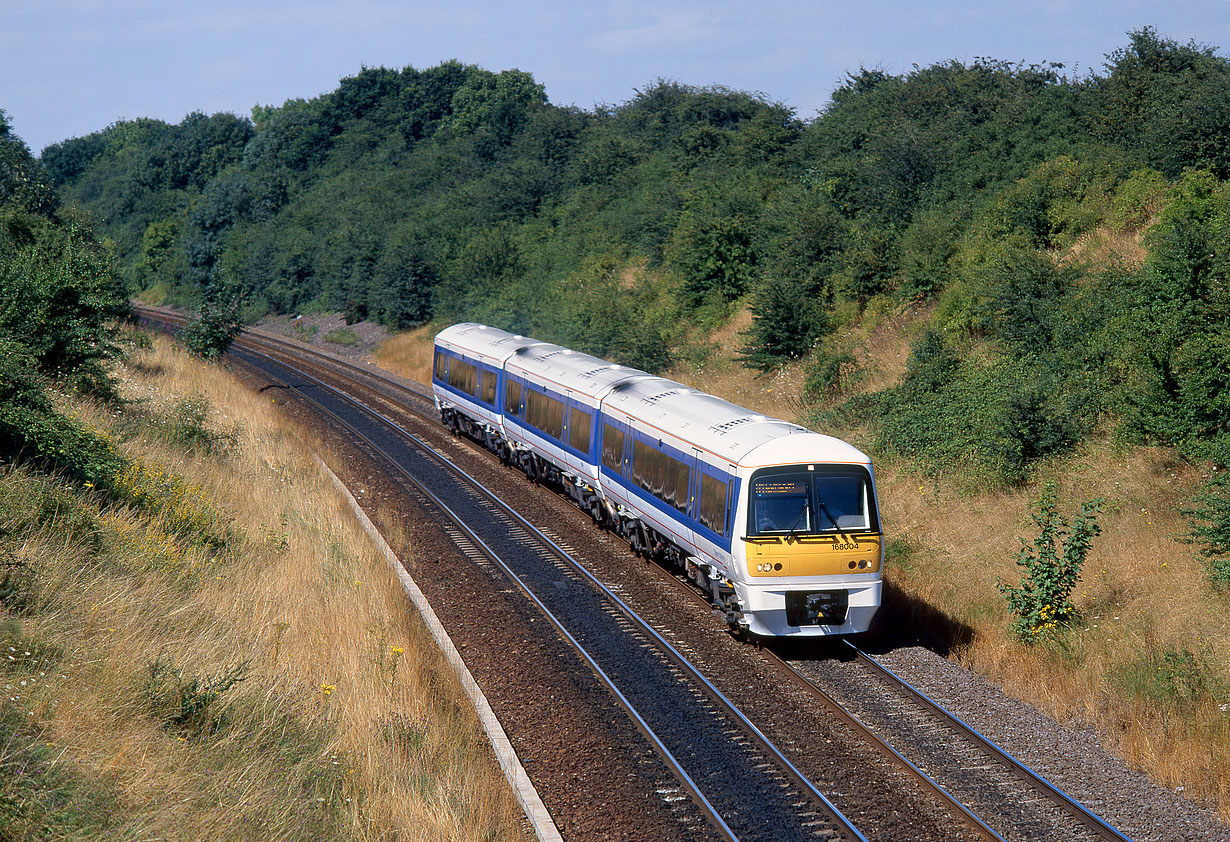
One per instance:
(1091, 820)
(844, 824)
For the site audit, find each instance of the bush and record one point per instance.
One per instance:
(1042, 602)
(830, 371)
(218, 324)
(181, 703)
(1210, 527)
(987, 420)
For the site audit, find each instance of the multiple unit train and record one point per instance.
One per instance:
(777, 524)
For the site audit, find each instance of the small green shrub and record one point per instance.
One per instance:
(830, 371)
(343, 336)
(184, 703)
(218, 324)
(1041, 604)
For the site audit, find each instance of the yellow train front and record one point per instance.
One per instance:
(809, 554)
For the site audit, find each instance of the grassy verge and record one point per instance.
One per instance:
(217, 651)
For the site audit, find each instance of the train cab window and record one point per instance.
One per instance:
(801, 501)
(441, 365)
(712, 510)
(613, 448)
(487, 386)
(841, 502)
(512, 396)
(579, 424)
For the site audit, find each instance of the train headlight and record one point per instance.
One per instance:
(862, 564)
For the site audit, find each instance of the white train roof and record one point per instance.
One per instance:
(724, 429)
(478, 340)
(573, 370)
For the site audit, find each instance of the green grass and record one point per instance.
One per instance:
(343, 336)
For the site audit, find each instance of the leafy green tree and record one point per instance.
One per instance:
(1165, 102)
(23, 182)
(1210, 526)
(403, 280)
(791, 303)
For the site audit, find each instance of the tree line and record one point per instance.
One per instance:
(454, 192)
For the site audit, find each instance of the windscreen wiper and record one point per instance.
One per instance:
(790, 531)
(844, 537)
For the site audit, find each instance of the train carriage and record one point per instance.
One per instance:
(554, 396)
(467, 377)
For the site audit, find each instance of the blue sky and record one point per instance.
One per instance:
(70, 67)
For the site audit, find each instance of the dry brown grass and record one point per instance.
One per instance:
(349, 723)
(408, 354)
(1103, 246)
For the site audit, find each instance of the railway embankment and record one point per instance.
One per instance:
(210, 647)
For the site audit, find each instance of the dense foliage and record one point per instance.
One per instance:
(456, 193)
(59, 298)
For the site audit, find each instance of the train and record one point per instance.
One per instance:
(778, 525)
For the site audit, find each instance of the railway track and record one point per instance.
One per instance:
(991, 794)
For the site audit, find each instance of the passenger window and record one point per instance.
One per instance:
(512, 397)
(578, 429)
(661, 474)
(613, 448)
(712, 511)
